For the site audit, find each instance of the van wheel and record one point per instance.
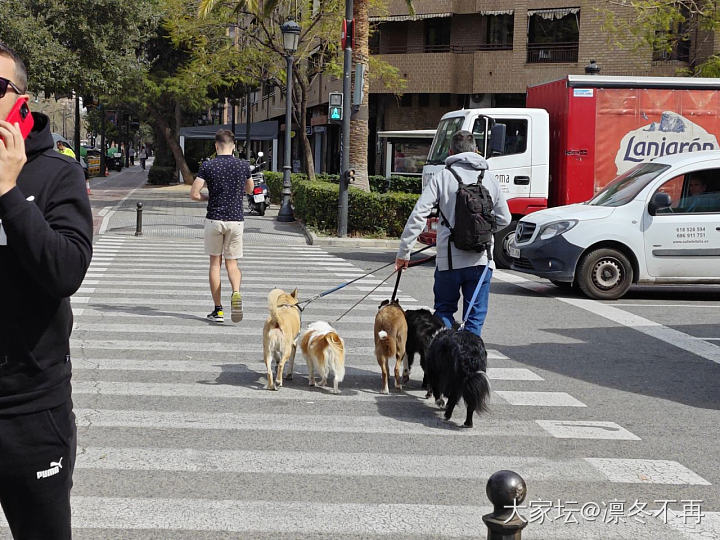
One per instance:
(500, 252)
(605, 274)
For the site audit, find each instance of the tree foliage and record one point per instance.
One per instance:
(664, 25)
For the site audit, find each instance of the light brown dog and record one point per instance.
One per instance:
(324, 350)
(279, 333)
(390, 339)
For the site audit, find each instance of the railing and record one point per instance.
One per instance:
(540, 53)
(458, 49)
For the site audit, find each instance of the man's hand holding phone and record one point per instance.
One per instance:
(12, 155)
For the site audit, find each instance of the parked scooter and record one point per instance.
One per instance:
(258, 200)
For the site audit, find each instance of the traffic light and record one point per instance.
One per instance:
(349, 176)
(335, 107)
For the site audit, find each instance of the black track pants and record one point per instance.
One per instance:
(37, 456)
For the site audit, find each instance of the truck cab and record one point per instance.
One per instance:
(515, 144)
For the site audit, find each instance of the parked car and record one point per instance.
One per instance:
(658, 223)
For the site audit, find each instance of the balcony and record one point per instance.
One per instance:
(552, 53)
(465, 48)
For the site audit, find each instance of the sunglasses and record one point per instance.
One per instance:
(4, 83)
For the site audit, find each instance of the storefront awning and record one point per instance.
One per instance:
(259, 131)
(416, 17)
(551, 14)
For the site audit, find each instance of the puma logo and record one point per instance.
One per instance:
(54, 469)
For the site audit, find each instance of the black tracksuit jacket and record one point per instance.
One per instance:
(48, 224)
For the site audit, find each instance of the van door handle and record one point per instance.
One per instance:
(521, 180)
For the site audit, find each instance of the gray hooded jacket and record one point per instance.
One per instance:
(441, 190)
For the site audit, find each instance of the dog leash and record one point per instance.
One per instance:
(397, 282)
(303, 304)
(474, 296)
(364, 297)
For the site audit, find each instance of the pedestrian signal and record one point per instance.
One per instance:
(335, 107)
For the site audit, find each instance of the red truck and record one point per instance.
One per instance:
(577, 134)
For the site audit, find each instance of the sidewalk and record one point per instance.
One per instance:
(168, 212)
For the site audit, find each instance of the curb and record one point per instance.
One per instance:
(330, 241)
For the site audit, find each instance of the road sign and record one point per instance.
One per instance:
(335, 107)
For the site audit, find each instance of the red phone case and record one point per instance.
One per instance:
(21, 114)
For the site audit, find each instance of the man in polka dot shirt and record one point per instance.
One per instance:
(227, 179)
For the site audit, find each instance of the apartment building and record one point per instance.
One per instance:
(477, 53)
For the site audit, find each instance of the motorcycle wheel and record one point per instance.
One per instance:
(261, 209)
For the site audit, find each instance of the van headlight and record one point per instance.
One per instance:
(557, 227)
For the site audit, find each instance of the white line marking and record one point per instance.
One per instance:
(138, 419)
(471, 467)
(671, 336)
(109, 215)
(646, 471)
(704, 305)
(586, 429)
(104, 211)
(539, 399)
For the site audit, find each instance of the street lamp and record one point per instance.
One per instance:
(291, 35)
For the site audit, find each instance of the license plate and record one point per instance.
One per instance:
(259, 198)
(513, 250)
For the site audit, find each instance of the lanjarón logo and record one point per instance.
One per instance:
(674, 134)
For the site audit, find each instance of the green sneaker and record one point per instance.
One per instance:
(236, 311)
(216, 316)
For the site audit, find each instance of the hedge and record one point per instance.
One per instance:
(161, 175)
(378, 184)
(380, 214)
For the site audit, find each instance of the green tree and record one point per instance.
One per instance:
(665, 25)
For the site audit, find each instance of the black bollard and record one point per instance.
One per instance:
(138, 225)
(505, 489)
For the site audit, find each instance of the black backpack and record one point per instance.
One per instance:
(474, 217)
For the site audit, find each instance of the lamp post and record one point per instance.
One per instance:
(291, 35)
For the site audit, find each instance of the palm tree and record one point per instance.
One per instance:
(359, 128)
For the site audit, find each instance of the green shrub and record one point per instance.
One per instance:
(161, 176)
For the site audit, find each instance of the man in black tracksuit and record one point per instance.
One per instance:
(45, 250)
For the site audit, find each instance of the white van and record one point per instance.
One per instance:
(657, 223)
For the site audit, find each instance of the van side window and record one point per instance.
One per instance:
(696, 192)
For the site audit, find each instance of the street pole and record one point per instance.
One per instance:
(102, 140)
(286, 213)
(77, 126)
(127, 140)
(247, 127)
(232, 120)
(345, 141)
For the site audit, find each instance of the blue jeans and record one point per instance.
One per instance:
(449, 283)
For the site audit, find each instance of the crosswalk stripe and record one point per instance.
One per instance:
(182, 294)
(262, 517)
(248, 282)
(426, 425)
(151, 316)
(473, 467)
(274, 262)
(255, 305)
(267, 275)
(214, 368)
(288, 392)
(188, 346)
(540, 399)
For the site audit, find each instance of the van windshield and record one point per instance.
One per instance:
(441, 144)
(625, 187)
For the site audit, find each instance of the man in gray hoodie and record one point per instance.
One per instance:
(467, 266)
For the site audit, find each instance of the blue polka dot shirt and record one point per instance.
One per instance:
(225, 177)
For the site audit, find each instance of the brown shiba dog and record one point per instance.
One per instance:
(390, 338)
(323, 350)
(279, 333)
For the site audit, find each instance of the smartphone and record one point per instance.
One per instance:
(21, 115)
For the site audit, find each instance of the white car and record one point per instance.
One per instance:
(657, 223)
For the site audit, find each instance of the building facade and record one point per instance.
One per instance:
(475, 53)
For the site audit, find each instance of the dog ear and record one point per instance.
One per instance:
(294, 294)
(383, 303)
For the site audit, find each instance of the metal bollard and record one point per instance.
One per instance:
(138, 225)
(505, 489)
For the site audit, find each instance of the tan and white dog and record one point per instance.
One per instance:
(324, 350)
(279, 333)
(390, 339)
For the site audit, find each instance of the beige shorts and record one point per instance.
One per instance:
(224, 238)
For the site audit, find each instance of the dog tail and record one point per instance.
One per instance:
(382, 334)
(476, 391)
(273, 301)
(337, 350)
